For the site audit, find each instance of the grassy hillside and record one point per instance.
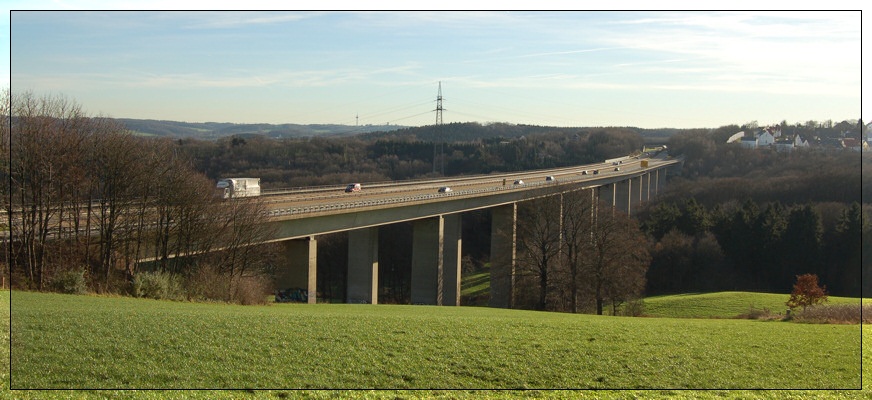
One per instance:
(62, 341)
(475, 289)
(721, 304)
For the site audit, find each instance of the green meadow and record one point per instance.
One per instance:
(723, 304)
(395, 351)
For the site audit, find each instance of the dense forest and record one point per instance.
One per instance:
(751, 219)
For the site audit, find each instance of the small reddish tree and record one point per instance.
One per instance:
(806, 292)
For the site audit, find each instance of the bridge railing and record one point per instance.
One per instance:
(332, 207)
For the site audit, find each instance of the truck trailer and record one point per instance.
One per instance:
(229, 188)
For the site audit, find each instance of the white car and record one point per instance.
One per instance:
(445, 189)
(519, 182)
(549, 178)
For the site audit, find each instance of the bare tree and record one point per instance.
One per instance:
(5, 204)
(44, 130)
(578, 220)
(181, 209)
(616, 258)
(241, 234)
(539, 244)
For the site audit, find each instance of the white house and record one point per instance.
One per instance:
(765, 139)
(790, 145)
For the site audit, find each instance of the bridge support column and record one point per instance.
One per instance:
(503, 246)
(647, 186)
(362, 284)
(452, 248)
(636, 202)
(623, 195)
(436, 246)
(428, 243)
(641, 187)
(606, 194)
(302, 256)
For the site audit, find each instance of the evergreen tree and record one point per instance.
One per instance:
(801, 244)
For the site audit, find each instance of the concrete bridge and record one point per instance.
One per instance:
(300, 216)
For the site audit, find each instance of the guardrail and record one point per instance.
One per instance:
(332, 207)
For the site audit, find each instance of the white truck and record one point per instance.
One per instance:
(238, 187)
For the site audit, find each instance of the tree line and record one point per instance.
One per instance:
(83, 197)
(282, 163)
(756, 247)
(752, 219)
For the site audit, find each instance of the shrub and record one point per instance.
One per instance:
(252, 290)
(836, 314)
(158, 285)
(69, 282)
(757, 313)
(207, 284)
(634, 308)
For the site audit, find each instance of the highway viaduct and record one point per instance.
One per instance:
(299, 218)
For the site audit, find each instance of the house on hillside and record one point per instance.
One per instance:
(749, 142)
(788, 144)
(766, 139)
(855, 144)
(775, 131)
(761, 139)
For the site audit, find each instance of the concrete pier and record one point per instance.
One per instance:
(623, 195)
(451, 249)
(363, 266)
(428, 260)
(436, 247)
(301, 272)
(503, 249)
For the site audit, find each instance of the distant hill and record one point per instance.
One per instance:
(452, 132)
(472, 131)
(215, 130)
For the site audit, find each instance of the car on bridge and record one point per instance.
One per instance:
(445, 189)
(549, 178)
(352, 187)
(519, 182)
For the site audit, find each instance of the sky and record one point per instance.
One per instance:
(648, 69)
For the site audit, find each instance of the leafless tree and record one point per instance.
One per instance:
(241, 233)
(182, 206)
(116, 166)
(616, 258)
(6, 220)
(578, 220)
(45, 134)
(539, 244)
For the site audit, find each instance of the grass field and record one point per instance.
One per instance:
(64, 341)
(722, 304)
